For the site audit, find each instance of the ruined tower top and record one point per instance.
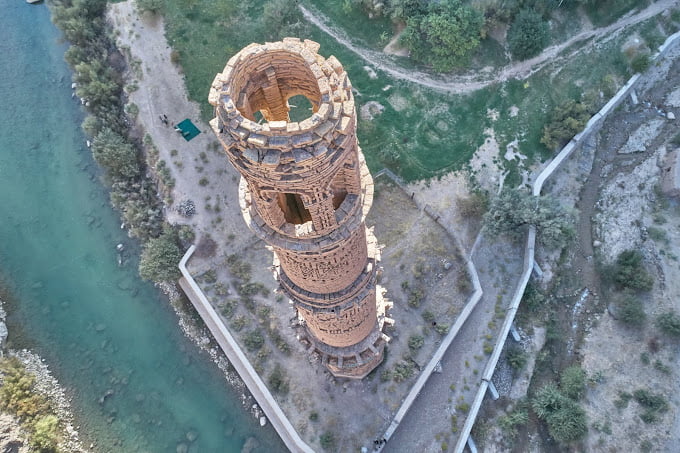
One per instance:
(306, 190)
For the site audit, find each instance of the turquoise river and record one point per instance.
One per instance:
(98, 326)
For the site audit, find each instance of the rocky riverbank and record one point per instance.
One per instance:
(15, 435)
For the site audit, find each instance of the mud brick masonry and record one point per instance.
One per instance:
(305, 190)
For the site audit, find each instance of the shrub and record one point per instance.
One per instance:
(669, 323)
(573, 382)
(313, 416)
(416, 342)
(528, 35)
(654, 404)
(327, 441)
(640, 63)
(442, 328)
(17, 394)
(277, 380)
(517, 358)
(631, 311)
(475, 205)
(253, 340)
(428, 316)
(566, 121)
(509, 422)
(629, 272)
(515, 209)
(45, 433)
(160, 259)
(566, 420)
(402, 371)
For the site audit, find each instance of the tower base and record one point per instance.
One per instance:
(358, 360)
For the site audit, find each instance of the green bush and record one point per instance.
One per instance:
(446, 36)
(327, 441)
(631, 311)
(566, 121)
(253, 340)
(278, 381)
(415, 342)
(160, 259)
(46, 434)
(653, 404)
(509, 422)
(629, 272)
(573, 382)
(515, 209)
(517, 358)
(566, 420)
(669, 323)
(402, 371)
(528, 35)
(17, 394)
(640, 63)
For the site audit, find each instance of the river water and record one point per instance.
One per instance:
(100, 328)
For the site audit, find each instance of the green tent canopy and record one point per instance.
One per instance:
(187, 129)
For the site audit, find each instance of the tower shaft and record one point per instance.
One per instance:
(305, 190)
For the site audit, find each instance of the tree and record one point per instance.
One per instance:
(446, 36)
(160, 258)
(405, 9)
(528, 35)
(566, 121)
(115, 154)
(515, 208)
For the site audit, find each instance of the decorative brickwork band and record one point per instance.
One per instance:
(306, 190)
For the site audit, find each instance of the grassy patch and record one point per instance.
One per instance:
(605, 12)
(372, 33)
(421, 133)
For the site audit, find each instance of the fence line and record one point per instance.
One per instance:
(529, 249)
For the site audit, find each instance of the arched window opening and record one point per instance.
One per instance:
(338, 197)
(293, 208)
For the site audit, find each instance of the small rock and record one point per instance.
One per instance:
(670, 115)
(250, 445)
(263, 420)
(192, 435)
(100, 327)
(182, 448)
(597, 244)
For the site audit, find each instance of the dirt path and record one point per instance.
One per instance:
(467, 83)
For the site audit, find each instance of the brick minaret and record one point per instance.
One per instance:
(306, 190)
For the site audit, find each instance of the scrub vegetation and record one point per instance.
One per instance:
(97, 75)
